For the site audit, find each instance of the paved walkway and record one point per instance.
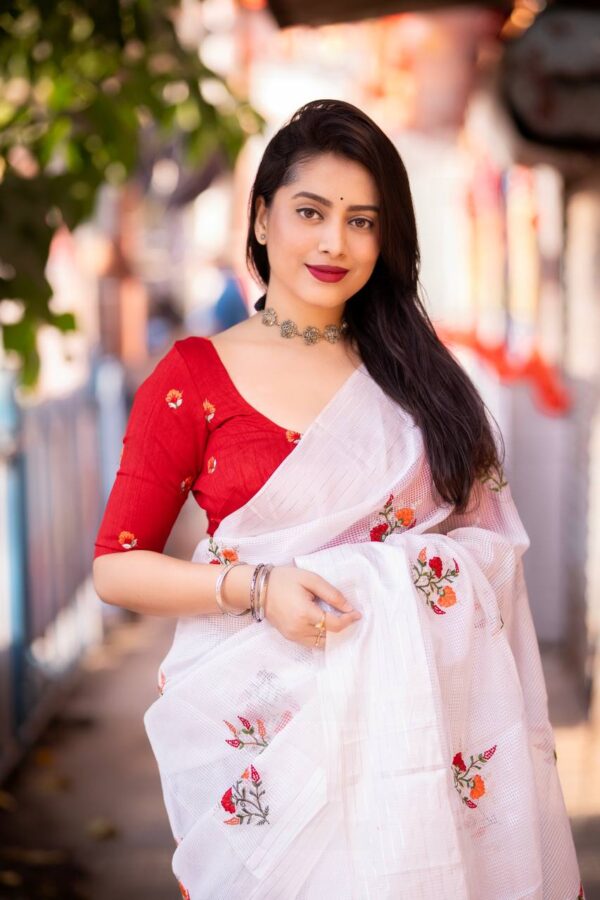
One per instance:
(89, 796)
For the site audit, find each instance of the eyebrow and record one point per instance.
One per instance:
(326, 202)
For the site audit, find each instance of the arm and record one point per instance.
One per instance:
(154, 584)
(163, 452)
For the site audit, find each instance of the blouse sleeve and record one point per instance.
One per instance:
(162, 454)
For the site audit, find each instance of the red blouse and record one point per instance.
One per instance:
(189, 430)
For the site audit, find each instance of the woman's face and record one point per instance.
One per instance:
(337, 226)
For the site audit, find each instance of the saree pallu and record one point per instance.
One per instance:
(412, 756)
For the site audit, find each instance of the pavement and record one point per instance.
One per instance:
(83, 818)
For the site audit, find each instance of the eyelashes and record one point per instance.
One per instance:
(369, 222)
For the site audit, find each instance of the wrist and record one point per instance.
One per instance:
(235, 590)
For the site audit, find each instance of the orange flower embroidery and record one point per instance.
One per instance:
(478, 789)
(212, 465)
(447, 597)
(209, 409)
(221, 556)
(186, 484)
(229, 555)
(174, 398)
(405, 516)
(293, 436)
(184, 891)
(127, 540)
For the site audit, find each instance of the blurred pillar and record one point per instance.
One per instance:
(582, 364)
(123, 300)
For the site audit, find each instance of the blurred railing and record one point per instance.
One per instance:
(57, 460)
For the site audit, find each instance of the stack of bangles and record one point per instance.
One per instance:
(258, 590)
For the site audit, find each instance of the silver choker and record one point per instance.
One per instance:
(311, 333)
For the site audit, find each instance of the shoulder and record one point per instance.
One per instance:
(190, 349)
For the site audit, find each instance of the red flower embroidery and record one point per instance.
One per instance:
(227, 802)
(394, 520)
(209, 410)
(435, 564)
(174, 398)
(211, 465)
(293, 436)
(378, 532)
(459, 762)
(245, 800)
(127, 540)
(470, 786)
(428, 578)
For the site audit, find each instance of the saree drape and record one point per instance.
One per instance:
(412, 757)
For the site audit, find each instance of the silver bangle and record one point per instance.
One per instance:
(219, 585)
(253, 604)
(262, 590)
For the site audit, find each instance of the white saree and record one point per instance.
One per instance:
(412, 757)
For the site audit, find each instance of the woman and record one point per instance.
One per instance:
(358, 709)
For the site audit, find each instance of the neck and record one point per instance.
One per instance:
(304, 314)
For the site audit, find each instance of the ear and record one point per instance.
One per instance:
(262, 215)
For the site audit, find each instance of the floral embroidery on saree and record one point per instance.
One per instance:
(581, 894)
(211, 465)
(393, 520)
(244, 800)
(248, 735)
(186, 484)
(293, 436)
(428, 578)
(494, 478)
(174, 398)
(470, 786)
(220, 556)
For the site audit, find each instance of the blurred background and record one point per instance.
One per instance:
(130, 133)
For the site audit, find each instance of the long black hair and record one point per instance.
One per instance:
(387, 320)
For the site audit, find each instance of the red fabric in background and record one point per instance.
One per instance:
(189, 429)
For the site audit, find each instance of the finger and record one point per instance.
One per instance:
(338, 623)
(327, 592)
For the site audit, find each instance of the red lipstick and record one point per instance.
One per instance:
(327, 273)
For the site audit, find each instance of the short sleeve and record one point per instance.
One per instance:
(162, 454)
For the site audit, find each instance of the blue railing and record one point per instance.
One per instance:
(57, 461)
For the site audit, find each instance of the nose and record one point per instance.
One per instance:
(332, 238)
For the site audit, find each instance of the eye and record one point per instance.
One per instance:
(368, 226)
(307, 209)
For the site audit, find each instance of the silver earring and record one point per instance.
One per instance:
(262, 237)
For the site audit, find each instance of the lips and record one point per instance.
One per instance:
(327, 273)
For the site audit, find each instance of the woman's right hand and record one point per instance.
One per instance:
(291, 608)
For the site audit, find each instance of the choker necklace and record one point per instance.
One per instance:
(311, 333)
